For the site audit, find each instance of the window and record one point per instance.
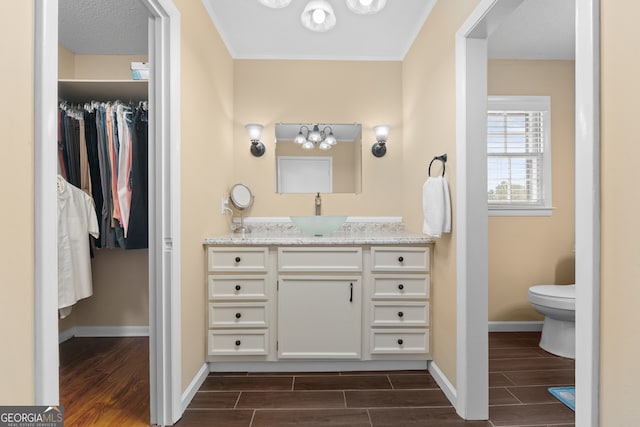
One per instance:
(519, 156)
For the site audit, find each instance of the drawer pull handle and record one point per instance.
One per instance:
(238, 259)
(238, 315)
(238, 287)
(400, 314)
(238, 343)
(401, 286)
(351, 292)
(400, 259)
(400, 342)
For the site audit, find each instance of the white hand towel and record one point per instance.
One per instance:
(436, 205)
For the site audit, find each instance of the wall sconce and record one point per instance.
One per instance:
(379, 149)
(255, 134)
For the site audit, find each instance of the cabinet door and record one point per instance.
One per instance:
(319, 317)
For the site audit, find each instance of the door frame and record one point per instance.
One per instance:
(164, 215)
(471, 212)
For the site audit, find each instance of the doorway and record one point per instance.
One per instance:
(472, 287)
(164, 221)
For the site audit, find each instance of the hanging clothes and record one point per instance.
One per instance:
(103, 149)
(76, 221)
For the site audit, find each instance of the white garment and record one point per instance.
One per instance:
(436, 205)
(76, 220)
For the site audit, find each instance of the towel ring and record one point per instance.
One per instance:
(443, 159)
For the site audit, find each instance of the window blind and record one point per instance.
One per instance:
(515, 158)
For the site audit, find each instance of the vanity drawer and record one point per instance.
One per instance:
(237, 287)
(399, 259)
(229, 343)
(399, 341)
(401, 287)
(404, 314)
(237, 259)
(238, 315)
(337, 259)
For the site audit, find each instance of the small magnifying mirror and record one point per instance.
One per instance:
(241, 199)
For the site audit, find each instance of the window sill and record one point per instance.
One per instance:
(520, 211)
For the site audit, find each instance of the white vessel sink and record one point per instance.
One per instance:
(319, 225)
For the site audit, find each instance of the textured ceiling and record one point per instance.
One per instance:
(103, 26)
(538, 29)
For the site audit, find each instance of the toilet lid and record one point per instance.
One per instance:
(556, 291)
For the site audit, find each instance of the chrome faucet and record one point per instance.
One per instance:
(318, 204)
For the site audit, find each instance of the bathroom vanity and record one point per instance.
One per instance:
(351, 296)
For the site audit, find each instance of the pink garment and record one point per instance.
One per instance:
(114, 167)
(124, 168)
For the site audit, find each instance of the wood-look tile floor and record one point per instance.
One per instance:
(520, 373)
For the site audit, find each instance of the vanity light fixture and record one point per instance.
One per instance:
(309, 139)
(255, 135)
(318, 16)
(379, 149)
(366, 7)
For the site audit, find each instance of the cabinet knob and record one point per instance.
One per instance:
(238, 287)
(400, 259)
(400, 342)
(400, 314)
(238, 342)
(401, 286)
(238, 259)
(238, 315)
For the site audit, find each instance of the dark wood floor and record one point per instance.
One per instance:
(520, 373)
(105, 381)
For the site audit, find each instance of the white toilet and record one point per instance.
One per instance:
(557, 303)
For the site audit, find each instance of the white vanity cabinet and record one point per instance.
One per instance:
(399, 303)
(319, 302)
(238, 302)
(297, 303)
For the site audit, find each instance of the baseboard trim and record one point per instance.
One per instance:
(103, 331)
(323, 366)
(443, 382)
(194, 386)
(528, 326)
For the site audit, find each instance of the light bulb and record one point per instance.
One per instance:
(324, 145)
(308, 145)
(366, 3)
(319, 16)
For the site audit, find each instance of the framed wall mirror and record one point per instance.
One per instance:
(318, 158)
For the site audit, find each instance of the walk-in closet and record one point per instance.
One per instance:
(103, 153)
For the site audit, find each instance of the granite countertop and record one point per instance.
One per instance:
(337, 238)
(355, 231)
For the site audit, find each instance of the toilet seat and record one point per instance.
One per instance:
(562, 297)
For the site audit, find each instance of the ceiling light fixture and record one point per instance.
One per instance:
(366, 7)
(275, 4)
(309, 139)
(318, 16)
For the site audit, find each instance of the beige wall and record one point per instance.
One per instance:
(207, 162)
(429, 123)
(620, 346)
(525, 251)
(16, 254)
(363, 92)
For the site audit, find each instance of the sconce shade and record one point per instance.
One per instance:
(255, 135)
(379, 149)
(318, 16)
(366, 7)
(275, 4)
